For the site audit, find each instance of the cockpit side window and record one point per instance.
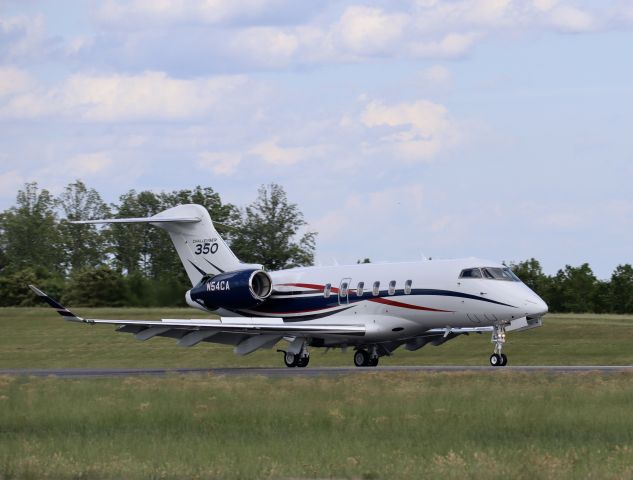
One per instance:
(470, 273)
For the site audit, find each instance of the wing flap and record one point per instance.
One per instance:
(242, 325)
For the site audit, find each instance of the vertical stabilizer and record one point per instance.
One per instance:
(199, 246)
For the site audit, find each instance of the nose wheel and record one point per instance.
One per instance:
(498, 358)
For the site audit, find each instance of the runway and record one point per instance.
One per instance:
(306, 372)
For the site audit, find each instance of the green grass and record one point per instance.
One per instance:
(378, 425)
(486, 425)
(39, 338)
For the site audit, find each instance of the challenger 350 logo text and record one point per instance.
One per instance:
(208, 245)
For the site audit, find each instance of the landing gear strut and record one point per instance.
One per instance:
(364, 358)
(498, 359)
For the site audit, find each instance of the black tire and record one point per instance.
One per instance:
(373, 362)
(504, 360)
(361, 358)
(290, 359)
(303, 362)
(495, 360)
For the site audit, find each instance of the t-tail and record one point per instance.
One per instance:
(201, 249)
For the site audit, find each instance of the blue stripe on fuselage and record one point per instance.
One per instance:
(315, 303)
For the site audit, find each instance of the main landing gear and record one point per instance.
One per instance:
(498, 359)
(300, 359)
(364, 358)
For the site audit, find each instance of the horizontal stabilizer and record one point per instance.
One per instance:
(141, 220)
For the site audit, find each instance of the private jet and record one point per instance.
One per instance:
(372, 308)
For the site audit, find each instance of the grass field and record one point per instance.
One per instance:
(496, 424)
(39, 338)
(378, 425)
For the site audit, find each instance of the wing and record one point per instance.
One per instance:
(230, 330)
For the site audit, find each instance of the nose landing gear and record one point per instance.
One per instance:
(498, 359)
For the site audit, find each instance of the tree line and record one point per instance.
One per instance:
(576, 289)
(132, 265)
(136, 265)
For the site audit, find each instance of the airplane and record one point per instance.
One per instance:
(373, 308)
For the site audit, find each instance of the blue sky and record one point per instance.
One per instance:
(491, 128)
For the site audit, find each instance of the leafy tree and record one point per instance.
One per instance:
(268, 232)
(576, 289)
(84, 245)
(602, 297)
(28, 234)
(14, 289)
(96, 287)
(621, 289)
(132, 244)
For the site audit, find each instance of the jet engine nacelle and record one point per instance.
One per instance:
(231, 290)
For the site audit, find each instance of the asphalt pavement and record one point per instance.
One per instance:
(308, 371)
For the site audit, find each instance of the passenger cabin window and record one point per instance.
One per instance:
(343, 291)
(327, 290)
(376, 290)
(407, 287)
(470, 273)
(360, 288)
(392, 287)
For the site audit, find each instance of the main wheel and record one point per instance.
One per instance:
(504, 360)
(361, 358)
(303, 362)
(291, 360)
(495, 360)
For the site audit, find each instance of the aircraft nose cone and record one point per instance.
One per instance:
(536, 307)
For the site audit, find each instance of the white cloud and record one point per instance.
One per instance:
(24, 37)
(436, 75)
(145, 13)
(14, 80)
(370, 31)
(111, 98)
(88, 164)
(221, 163)
(417, 131)
(571, 19)
(275, 154)
(449, 46)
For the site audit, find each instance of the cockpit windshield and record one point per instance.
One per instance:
(490, 273)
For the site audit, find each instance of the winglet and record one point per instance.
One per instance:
(63, 311)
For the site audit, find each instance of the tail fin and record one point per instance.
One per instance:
(199, 246)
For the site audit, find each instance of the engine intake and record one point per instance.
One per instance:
(231, 290)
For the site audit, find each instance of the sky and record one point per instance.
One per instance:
(402, 129)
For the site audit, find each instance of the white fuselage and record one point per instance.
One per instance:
(410, 298)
